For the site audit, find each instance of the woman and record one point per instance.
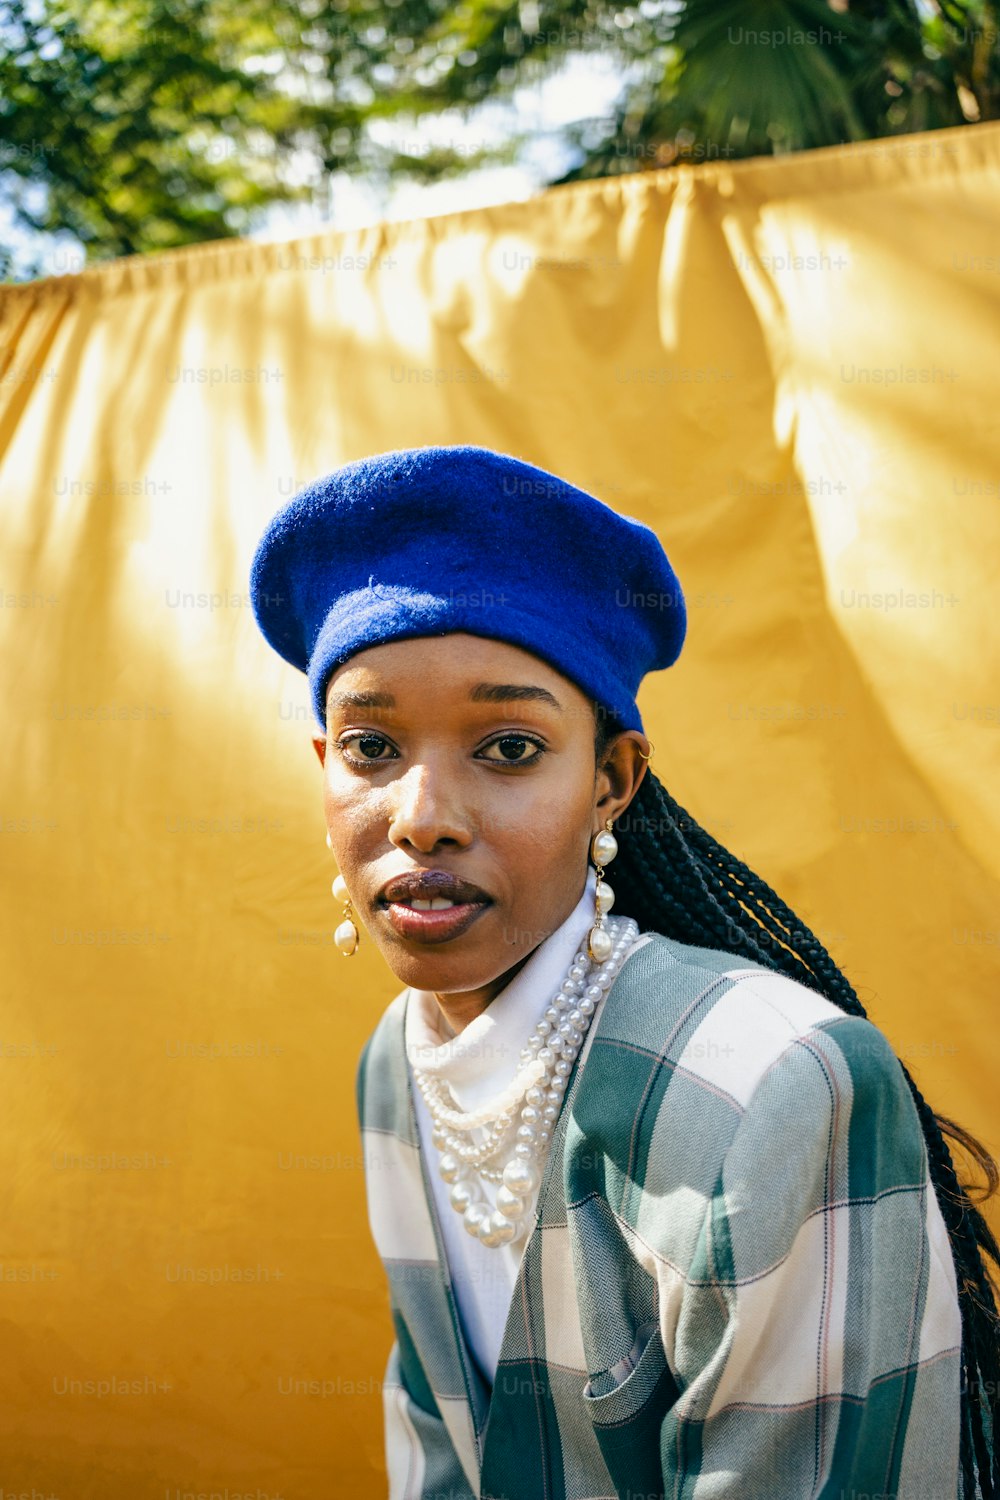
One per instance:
(661, 1211)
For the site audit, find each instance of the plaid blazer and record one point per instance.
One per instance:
(738, 1282)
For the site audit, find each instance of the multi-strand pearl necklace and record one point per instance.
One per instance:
(513, 1164)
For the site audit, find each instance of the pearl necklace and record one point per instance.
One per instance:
(544, 1066)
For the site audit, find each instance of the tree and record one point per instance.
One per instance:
(140, 125)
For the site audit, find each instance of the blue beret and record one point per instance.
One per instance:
(423, 541)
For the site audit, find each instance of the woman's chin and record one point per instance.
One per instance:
(457, 968)
(459, 976)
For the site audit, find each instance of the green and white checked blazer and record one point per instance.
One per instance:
(738, 1282)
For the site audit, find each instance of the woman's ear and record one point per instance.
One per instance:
(319, 745)
(623, 765)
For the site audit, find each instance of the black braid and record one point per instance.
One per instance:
(673, 877)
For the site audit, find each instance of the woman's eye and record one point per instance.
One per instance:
(510, 746)
(368, 746)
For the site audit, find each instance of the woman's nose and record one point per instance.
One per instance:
(425, 813)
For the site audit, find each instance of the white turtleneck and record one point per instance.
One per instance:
(478, 1063)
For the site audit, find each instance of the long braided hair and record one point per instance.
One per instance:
(673, 877)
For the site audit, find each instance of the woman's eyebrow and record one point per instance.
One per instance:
(501, 692)
(483, 692)
(360, 699)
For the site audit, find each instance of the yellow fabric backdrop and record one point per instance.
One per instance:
(789, 369)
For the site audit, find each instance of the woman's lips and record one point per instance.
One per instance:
(433, 926)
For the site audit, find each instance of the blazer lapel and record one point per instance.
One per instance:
(492, 1432)
(408, 1238)
(542, 1366)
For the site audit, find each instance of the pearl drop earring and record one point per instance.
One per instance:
(603, 848)
(346, 936)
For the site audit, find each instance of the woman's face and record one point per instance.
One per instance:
(471, 758)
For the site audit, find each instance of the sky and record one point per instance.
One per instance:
(585, 86)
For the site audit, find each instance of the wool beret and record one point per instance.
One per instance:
(424, 541)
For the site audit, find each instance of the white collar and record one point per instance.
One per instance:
(483, 1058)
